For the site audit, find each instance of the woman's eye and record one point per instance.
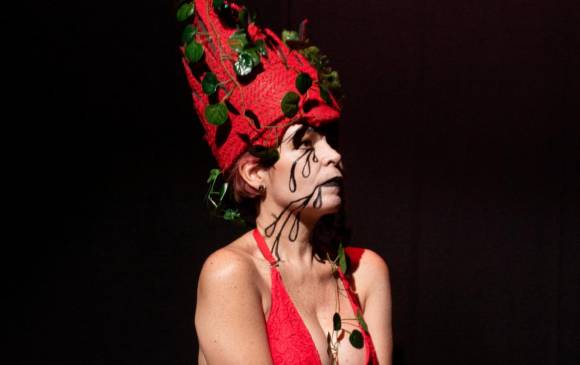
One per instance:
(306, 142)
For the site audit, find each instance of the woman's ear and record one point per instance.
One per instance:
(252, 172)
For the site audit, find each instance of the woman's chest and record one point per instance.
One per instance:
(311, 322)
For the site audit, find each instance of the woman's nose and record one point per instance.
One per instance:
(330, 155)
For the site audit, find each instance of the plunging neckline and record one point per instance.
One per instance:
(274, 271)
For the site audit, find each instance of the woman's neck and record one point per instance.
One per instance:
(288, 237)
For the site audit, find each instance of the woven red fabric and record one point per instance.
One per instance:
(288, 337)
(262, 96)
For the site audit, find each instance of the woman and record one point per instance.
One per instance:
(278, 294)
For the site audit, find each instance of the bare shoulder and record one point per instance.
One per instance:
(227, 266)
(229, 319)
(369, 270)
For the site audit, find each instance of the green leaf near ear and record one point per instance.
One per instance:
(361, 320)
(261, 47)
(194, 52)
(216, 114)
(290, 35)
(290, 104)
(342, 262)
(188, 34)
(336, 322)
(238, 41)
(356, 339)
(209, 83)
(244, 64)
(185, 11)
(303, 83)
(231, 214)
(223, 191)
(213, 175)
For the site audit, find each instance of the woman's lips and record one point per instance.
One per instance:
(334, 182)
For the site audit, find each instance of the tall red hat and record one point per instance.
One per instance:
(247, 84)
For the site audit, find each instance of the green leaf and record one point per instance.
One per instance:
(188, 34)
(290, 35)
(356, 339)
(238, 41)
(253, 53)
(325, 95)
(361, 320)
(261, 47)
(218, 5)
(336, 321)
(290, 104)
(342, 258)
(185, 11)
(303, 83)
(231, 214)
(223, 191)
(216, 114)
(213, 175)
(331, 80)
(194, 52)
(209, 83)
(244, 64)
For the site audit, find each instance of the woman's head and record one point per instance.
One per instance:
(305, 180)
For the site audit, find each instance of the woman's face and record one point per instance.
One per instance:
(307, 178)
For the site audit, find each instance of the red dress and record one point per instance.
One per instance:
(289, 339)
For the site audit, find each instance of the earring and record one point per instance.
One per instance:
(262, 189)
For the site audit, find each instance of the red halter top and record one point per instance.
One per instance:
(289, 340)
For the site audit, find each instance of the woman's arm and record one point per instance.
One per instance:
(377, 303)
(229, 319)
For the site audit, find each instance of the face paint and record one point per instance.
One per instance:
(317, 160)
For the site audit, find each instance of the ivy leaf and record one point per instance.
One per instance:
(290, 35)
(238, 41)
(244, 64)
(223, 191)
(356, 339)
(253, 53)
(185, 11)
(216, 114)
(209, 83)
(331, 80)
(325, 95)
(342, 258)
(194, 52)
(303, 83)
(290, 104)
(213, 175)
(188, 33)
(231, 214)
(336, 322)
(361, 320)
(261, 47)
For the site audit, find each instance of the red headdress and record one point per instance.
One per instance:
(248, 86)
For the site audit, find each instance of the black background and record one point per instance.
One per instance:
(460, 140)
